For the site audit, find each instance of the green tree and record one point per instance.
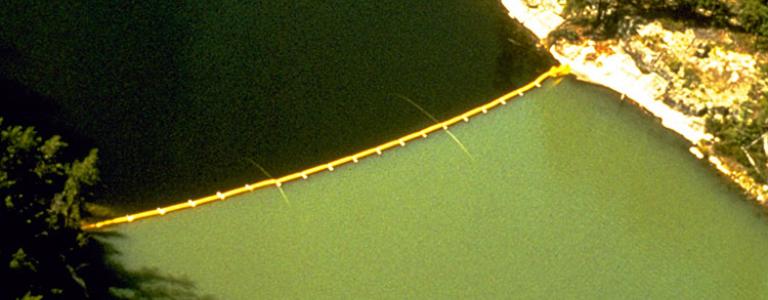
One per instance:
(602, 14)
(751, 15)
(741, 132)
(43, 251)
(42, 204)
(754, 16)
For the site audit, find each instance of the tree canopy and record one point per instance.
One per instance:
(43, 252)
(748, 15)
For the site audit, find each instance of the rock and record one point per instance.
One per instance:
(533, 3)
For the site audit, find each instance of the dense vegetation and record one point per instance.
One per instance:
(746, 15)
(741, 135)
(43, 252)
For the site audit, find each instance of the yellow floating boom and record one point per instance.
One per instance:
(220, 196)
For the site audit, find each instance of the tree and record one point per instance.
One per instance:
(42, 203)
(748, 15)
(741, 133)
(43, 251)
(754, 17)
(601, 13)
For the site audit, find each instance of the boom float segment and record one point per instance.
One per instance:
(354, 158)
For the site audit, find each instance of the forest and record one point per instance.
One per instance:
(749, 16)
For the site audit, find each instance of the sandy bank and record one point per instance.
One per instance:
(616, 70)
(612, 67)
(619, 72)
(541, 20)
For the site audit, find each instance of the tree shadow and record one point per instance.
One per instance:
(113, 280)
(521, 58)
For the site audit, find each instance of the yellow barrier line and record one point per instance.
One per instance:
(377, 150)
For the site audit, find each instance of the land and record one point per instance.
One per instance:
(702, 74)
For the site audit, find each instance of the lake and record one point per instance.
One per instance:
(569, 193)
(186, 98)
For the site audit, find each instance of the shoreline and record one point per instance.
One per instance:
(617, 71)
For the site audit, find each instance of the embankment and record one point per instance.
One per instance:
(614, 68)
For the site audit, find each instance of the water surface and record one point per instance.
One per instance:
(570, 193)
(183, 98)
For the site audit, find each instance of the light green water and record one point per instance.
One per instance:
(571, 194)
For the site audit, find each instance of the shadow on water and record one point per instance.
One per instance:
(102, 73)
(176, 97)
(521, 59)
(135, 284)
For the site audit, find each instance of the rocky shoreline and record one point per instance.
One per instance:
(627, 66)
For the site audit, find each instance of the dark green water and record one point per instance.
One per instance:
(179, 98)
(571, 194)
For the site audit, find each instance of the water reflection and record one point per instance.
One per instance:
(179, 97)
